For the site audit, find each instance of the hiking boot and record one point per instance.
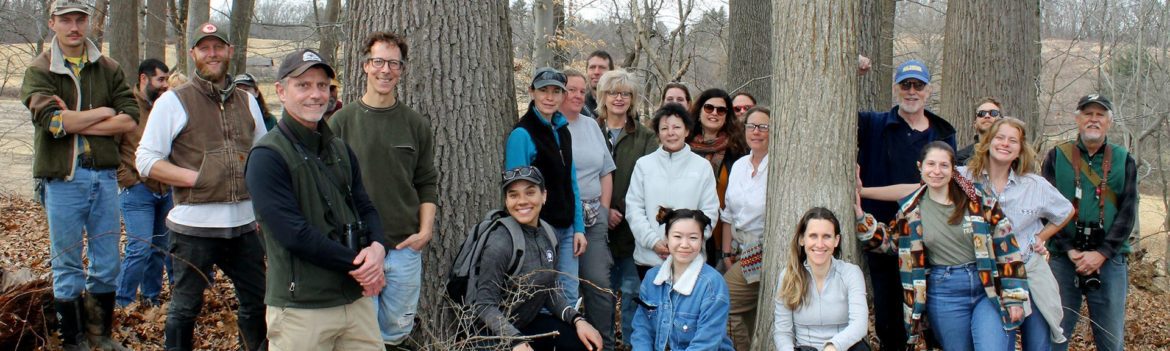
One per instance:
(71, 315)
(98, 325)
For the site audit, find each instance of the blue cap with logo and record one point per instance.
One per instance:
(912, 69)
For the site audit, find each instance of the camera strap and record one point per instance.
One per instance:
(336, 183)
(1102, 186)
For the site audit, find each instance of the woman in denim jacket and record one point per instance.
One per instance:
(683, 303)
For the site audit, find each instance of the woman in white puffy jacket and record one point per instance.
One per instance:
(671, 177)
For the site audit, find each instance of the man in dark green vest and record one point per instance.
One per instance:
(1090, 255)
(324, 263)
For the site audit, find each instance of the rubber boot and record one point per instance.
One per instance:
(179, 335)
(100, 322)
(71, 317)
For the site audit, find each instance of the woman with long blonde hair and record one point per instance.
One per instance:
(820, 303)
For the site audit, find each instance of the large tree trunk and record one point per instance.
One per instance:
(124, 16)
(450, 56)
(238, 34)
(330, 30)
(156, 30)
(820, 41)
(876, 41)
(97, 22)
(749, 49)
(178, 12)
(198, 13)
(997, 56)
(548, 23)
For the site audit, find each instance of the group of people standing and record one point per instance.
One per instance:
(966, 250)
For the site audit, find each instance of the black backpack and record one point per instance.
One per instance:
(465, 270)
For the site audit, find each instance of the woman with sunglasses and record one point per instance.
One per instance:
(508, 304)
(671, 177)
(627, 141)
(719, 140)
(675, 92)
(541, 139)
(986, 113)
(959, 256)
(742, 221)
(247, 82)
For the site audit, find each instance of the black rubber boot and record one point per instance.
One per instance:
(179, 335)
(71, 317)
(100, 323)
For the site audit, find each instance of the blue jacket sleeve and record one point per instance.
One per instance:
(644, 332)
(579, 211)
(268, 181)
(519, 149)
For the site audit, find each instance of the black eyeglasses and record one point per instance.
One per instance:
(719, 110)
(987, 113)
(753, 126)
(916, 85)
(621, 94)
(380, 62)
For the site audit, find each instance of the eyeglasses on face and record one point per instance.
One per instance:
(987, 114)
(743, 108)
(752, 126)
(621, 94)
(380, 62)
(718, 110)
(912, 84)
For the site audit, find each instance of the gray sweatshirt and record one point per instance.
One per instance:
(536, 281)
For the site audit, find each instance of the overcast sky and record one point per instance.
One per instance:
(590, 9)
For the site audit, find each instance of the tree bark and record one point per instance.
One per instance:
(997, 56)
(547, 22)
(330, 30)
(198, 13)
(97, 22)
(238, 34)
(876, 41)
(178, 12)
(156, 30)
(123, 32)
(749, 49)
(820, 41)
(450, 56)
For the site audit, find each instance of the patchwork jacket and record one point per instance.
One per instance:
(997, 258)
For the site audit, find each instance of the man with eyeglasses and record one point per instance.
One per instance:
(395, 148)
(888, 146)
(197, 140)
(986, 114)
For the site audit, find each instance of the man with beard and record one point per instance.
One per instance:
(889, 144)
(393, 144)
(1090, 255)
(80, 103)
(145, 202)
(197, 141)
(310, 200)
(986, 113)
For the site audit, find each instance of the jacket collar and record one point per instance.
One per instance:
(209, 89)
(558, 120)
(941, 127)
(311, 139)
(667, 154)
(57, 58)
(686, 283)
(911, 201)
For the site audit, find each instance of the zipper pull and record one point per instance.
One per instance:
(292, 286)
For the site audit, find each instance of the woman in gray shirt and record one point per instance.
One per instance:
(820, 303)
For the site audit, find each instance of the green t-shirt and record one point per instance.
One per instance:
(946, 244)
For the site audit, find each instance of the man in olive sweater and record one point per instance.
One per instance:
(395, 147)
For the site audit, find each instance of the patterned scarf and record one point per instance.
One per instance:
(713, 150)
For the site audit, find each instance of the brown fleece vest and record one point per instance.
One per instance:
(215, 142)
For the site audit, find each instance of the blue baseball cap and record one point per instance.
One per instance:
(912, 69)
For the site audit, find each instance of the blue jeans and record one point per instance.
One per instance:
(960, 314)
(397, 304)
(1034, 331)
(89, 204)
(567, 265)
(1106, 304)
(624, 276)
(145, 215)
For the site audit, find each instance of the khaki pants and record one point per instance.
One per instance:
(741, 320)
(346, 327)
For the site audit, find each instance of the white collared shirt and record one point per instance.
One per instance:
(745, 199)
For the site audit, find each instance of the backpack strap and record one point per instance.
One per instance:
(518, 243)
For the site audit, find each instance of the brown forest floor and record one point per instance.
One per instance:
(24, 244)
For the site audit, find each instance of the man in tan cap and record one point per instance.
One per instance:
(80, 103)
(197, 140)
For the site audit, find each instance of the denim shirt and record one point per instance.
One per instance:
(690, 314)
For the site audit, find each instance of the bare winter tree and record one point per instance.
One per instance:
(449, 56)
(749, 50)
(155, 34)
(123, 36)
(329, 29)
(993, 56)
(97, 22)
(178, 14)
(548, 18)
(198, 13)
(876, 41)
(820, 41)
(238, 34)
